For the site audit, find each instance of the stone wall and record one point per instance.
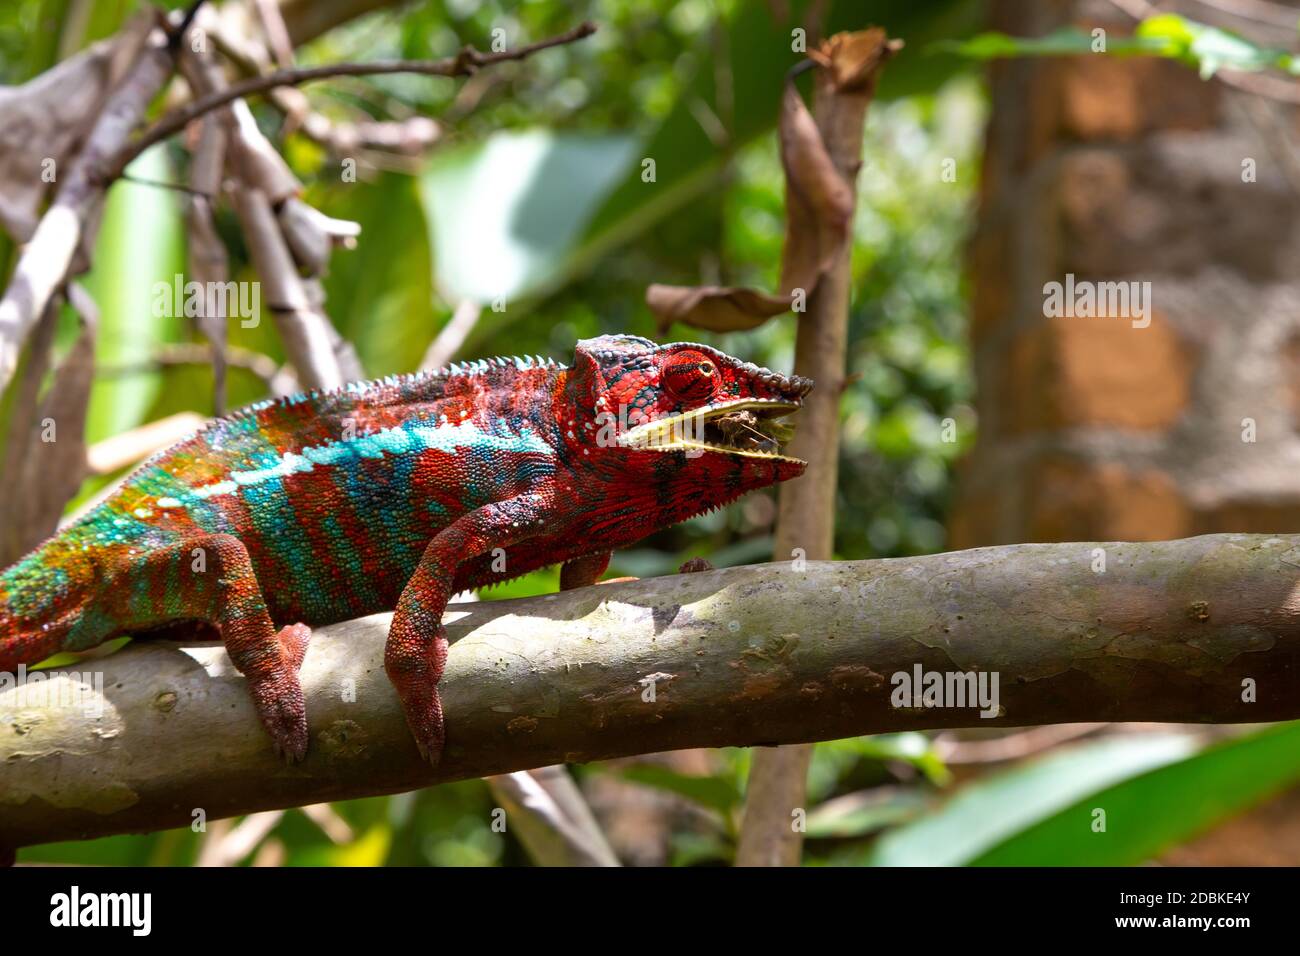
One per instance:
(1133, 170)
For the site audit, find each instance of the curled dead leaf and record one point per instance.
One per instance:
(819, 199)
(46, 457)
(852, 60)
(717, 308)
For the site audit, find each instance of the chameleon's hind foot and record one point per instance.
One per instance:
(414, 672)
(278, 695)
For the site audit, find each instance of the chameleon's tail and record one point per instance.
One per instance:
(24, 643)
(34, 626)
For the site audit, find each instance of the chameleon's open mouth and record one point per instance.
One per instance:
(748, 427)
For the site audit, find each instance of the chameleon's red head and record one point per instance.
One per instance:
(691, 399)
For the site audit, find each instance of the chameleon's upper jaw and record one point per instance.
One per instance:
(744, 427)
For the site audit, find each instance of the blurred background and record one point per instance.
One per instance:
(991, 167)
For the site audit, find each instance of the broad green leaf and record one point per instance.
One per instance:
(693, 849)
(1148, 813)
(139, 245)
(504, 213)
(541, 581)
(1206, 48)
(912, 748)
(715, 792)
(1066, 41)
(859, 814)
(997, 808)
(380, 295)
(370, 850)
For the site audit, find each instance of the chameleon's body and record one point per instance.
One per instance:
(395, 495)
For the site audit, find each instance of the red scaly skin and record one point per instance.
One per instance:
(395, 495)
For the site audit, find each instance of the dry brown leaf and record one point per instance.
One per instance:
(852, 60)
(819, 211)
(43, 121)
(48, 462)
(717, 308)
(819, 201)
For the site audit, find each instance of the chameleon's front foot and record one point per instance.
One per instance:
(415, 667)
(277, 694)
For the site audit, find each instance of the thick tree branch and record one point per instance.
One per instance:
(759, 655)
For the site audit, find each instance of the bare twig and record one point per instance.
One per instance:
(226, 845)
(127, 448)
(551, 818)
(452, 335)
(1015, 746)
(208, 260)
(302, 328)
(465, 63)
(261, 179)
(279, 379)
(1258, 11)
(330, 823)
(277, 34)
(1261, 84)
(385, 144)
(177, 33)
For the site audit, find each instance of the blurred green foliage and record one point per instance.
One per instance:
(1205, 48)
(523, 142)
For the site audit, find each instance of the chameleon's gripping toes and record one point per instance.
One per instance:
(396, 494)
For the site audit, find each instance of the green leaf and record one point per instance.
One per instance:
(912, 748)
(859, 814)
(541, 581)
(716, 793)
(139, 245)
(1206, 48)
(547, 207)
(380, 294)
(997, 808)
(1066, 41)
(503, 214)
(1150, 812)
(695, 849)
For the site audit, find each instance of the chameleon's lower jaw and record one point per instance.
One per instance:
(748, 429)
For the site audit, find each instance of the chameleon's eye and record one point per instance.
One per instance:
(690, 376)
